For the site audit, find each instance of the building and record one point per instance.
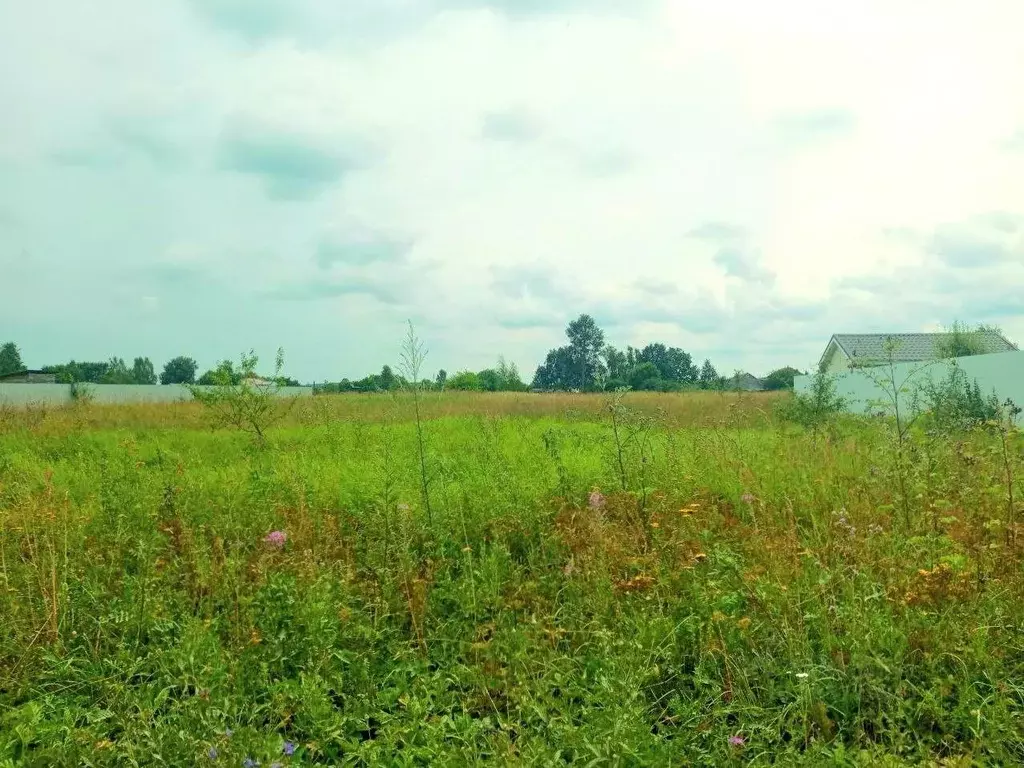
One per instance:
(28, 377)
(853, 350)
(745, 382)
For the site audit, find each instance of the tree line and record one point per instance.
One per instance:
(178, 370)
(588, 364)
(504, 377)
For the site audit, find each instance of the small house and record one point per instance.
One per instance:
(28, 377)
(858, 350)
(744, 382)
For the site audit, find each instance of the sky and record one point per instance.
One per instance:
(737, 178)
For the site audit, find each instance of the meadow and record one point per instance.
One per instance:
(519, 579)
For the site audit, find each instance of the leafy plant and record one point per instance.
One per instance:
(246, 402)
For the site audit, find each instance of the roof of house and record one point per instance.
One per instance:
(24, 372)
(911, 347)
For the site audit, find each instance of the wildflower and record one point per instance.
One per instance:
(276, 538)
(403, 507)
(595, 501)
(288, 748)
(228, 733)
(802, 675)
(748, 498)
(737, 741)
(250, 763)
(277, 764)
(212, 753)
(875, 529)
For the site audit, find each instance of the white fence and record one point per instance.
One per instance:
(60, 394)
(1002, 373)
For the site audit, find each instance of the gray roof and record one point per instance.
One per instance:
(911, 347)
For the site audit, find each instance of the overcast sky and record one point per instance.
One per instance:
(741, 179)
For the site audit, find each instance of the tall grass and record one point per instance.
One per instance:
(764, 608)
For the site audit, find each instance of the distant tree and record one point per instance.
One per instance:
(556, 372)
(10, 359)
(673, 363)
(586, 341)
(441, 379)
(508, 376)
(615, 362)
(223, 374)
(645, 376)
(709, 378)
(466, 381)
(117, 372)
(180, 370)
(781, 378)
(489, 380)
(142, 371)
(388, 380)
(78, 373)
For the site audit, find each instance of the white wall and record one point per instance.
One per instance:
(60, 394)
(1002, 372)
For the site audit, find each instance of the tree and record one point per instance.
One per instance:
(142, 371)
(387, 378)
(586, 341)
(781, 378)
(673, 363)
(489, 380)
(441, 379)
(645, 376)
(180, 370)
(223, 374)
(78, 373)
(10, 359)
(508, 376)
(117, 372)
(556, 370)
(615, 362)
(708, 378)
(466, 381)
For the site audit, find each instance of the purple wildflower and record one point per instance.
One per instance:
(595, 501)
(212, 753)
(249, 763)
(737, 741)
(276, 538)
(288, 748)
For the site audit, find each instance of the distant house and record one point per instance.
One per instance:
(28, 377)
(848, 350)
(744, 382)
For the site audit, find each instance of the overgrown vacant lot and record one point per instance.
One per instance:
(691, 582)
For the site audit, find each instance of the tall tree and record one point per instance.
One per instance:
(180, 370)
(508, 376)
(781, 378)
(615, 362)
(117, 372)
(709, 378)
(10, 359)
(586, 341)
(442, 379)
(142, 371)
(387, 378)
(556, 371)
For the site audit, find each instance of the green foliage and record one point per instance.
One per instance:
(10, 358)
(143, 372)
(960, 340)
(465, 381)
(75, 372)
(180, 370)
(245, 401)
(724, 583)
(645, 376)
(441, 379)
(955, 404)
(117, 372)
(818, 407)
(708, 377)
(224, 373)
(781, 378)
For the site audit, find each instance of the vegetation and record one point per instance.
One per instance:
(10, 358)
(448, 579)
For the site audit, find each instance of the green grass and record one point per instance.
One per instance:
(142, 615)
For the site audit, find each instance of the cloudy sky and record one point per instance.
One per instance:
(741, 179)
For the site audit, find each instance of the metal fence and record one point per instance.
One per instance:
(1002, 373)
(61, 394)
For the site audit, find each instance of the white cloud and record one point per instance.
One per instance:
(575, 152)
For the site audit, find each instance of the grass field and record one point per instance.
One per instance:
(695, 583)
